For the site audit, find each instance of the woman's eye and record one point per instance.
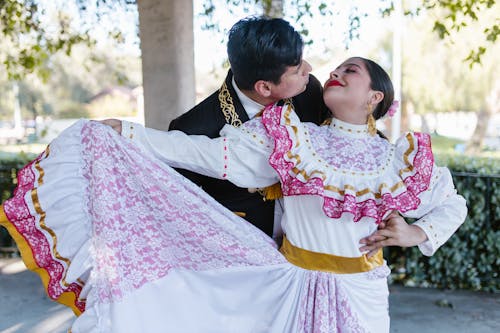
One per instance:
(350, 70)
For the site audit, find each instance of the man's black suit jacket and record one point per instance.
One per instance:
(224, 107)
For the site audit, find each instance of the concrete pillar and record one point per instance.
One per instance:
(167, 45)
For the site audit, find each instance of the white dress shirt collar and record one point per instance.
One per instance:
(251, 107)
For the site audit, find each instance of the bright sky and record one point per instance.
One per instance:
(125, 21)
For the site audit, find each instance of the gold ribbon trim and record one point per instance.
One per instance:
(324, 262)
(227, 107)
(67, 298)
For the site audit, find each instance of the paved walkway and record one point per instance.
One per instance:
(24, 308)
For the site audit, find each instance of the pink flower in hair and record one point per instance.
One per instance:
(393, 108)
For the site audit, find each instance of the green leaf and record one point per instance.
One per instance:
(441, 29)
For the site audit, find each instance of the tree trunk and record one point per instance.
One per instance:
(273, 8)
(167, 46)
(425, 124)
(483, 119)
(475, 144)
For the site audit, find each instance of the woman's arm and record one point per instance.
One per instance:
(234, 157)
(439, 215)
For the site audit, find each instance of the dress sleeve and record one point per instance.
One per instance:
(429, 190)
(240, 155)
(441, 211)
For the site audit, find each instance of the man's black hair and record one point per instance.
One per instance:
(261, 48)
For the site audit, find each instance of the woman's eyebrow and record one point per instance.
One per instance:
(352, 64)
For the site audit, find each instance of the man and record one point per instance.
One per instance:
(265, 55)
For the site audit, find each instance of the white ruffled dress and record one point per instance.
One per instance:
(132, 246)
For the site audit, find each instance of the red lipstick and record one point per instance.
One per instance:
(334, 83)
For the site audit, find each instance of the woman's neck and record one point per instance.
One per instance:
(355, 118)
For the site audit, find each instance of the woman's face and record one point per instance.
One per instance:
(347, 92)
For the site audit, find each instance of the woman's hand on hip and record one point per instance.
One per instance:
(393, 231)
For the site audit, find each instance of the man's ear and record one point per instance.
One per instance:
(377, 97)
(263, 88)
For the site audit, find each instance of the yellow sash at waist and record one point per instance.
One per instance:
(317, 261)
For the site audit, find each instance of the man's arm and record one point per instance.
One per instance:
(236, 157)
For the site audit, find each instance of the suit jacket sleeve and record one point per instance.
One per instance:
(204, 118)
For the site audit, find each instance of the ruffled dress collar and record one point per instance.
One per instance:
(351, 170)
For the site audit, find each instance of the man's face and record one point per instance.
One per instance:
(292, 82)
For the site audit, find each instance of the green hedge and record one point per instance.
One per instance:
(8, 168)
(469, 260)
(471, 257)
(9, 164)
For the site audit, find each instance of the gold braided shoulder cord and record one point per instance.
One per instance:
(227, 106)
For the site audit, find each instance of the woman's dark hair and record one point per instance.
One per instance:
(380, 81)
(261, 48)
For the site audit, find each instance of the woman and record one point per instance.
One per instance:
(136, 247)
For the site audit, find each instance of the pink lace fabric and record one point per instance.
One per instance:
(115, 219)
(362, 155)
(365, 176)
(150, 220)
(325, 306)
(144, 218)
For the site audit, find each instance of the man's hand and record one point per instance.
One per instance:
(114, 124)
(394, 231)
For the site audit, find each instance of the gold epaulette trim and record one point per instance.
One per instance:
(272, 192)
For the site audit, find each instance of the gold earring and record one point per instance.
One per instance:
(372, 125)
